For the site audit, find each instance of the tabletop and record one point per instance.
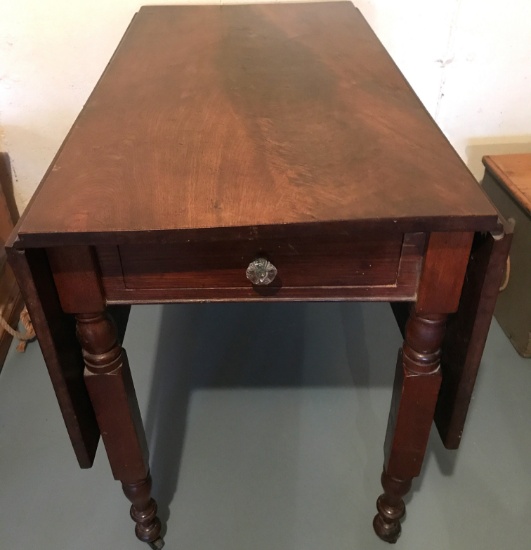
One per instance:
(246, 116)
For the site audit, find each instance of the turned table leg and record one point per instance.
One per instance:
(110, 386)
(108, 381)
(417, 382)
(418, 374)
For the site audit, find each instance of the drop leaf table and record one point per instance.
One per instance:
(257, 153)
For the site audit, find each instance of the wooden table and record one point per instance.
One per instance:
(272, 143)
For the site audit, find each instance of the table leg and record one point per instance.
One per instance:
(110, 386)
(416, 387)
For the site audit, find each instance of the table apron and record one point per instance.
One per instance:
(363, 270)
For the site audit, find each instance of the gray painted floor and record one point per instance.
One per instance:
(266, 425)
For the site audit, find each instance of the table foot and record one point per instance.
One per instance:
(391, 508)
(144, 512)
(157, 544)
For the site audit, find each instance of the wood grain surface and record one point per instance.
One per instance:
(345, 261)
(514, 172)
(467, 332)
(240, 116)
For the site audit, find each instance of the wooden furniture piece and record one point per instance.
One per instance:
(277, 144)
(508, 182)
(10, 298)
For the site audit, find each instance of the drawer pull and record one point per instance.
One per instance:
(261, 272)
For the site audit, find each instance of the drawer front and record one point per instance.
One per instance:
(344, 261)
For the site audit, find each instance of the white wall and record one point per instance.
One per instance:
(468, 60)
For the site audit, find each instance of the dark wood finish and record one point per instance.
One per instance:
(74, 267)
(109, 383)
(444, 271)
(243, 116)
(418, 372)
(144, 512)
(415, 391)
(347, 260)
(10, 209)
(218, 133)
(418, 375)
(391, 508)
(348, 264)
(56, 335)
(467, 332)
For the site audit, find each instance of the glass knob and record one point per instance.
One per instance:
(261, 272)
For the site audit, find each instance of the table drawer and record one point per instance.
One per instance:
(347, 260)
